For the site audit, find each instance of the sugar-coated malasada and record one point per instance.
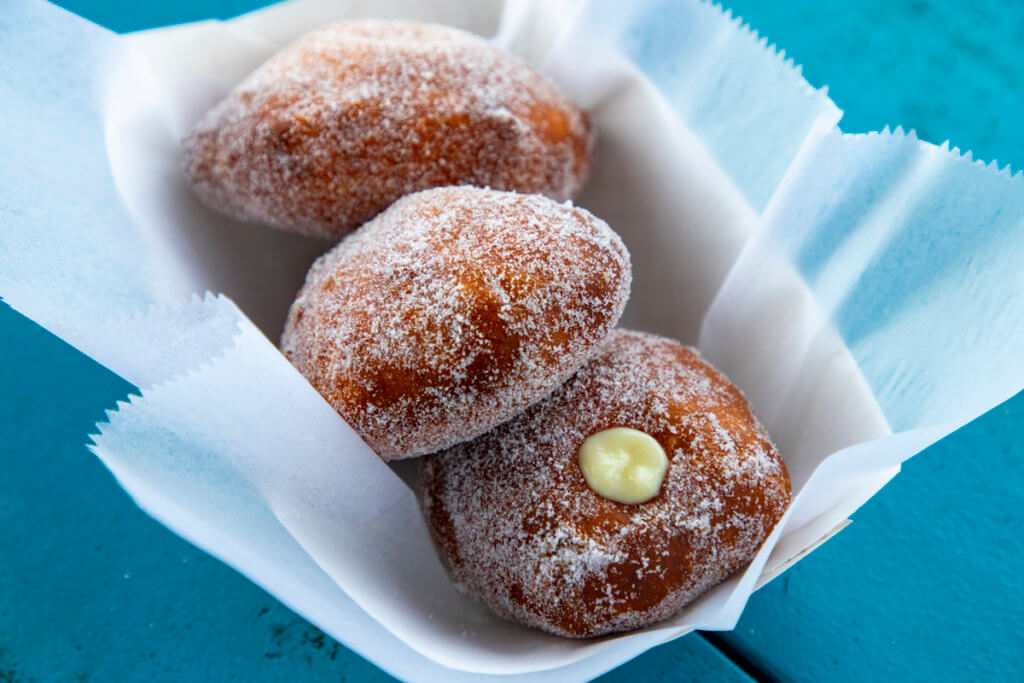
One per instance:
(454, 310)
(347, 119)
(522, 529)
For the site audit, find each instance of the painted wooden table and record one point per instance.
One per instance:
(923, 586)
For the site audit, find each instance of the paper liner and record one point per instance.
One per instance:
(845, 283)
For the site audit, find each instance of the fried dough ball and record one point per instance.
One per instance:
(347, 119)
(454, 310)
(521, 529)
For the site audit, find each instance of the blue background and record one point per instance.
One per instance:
(923, 585)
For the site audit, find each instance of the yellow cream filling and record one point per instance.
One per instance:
(623, 464)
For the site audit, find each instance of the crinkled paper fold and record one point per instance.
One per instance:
(864, 291)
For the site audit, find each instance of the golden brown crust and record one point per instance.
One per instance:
(520, 529)
(346, 120)
(454, 310)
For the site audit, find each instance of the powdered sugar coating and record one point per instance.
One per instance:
(520, 528)
(347, 119)
(454, 310)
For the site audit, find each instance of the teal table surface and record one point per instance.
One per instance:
(923, 585)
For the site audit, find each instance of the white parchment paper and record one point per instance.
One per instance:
(845, 283)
